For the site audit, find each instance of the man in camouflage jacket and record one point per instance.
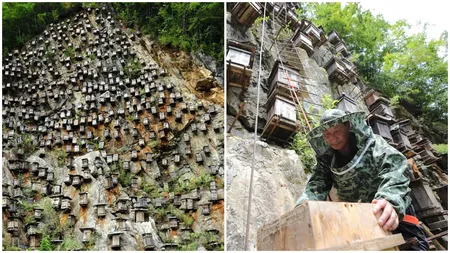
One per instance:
(362, 167)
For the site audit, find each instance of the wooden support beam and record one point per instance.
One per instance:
(292, 133)
(430, 235)
(275, 126)
(241, 106)
(437, 235)
(438, 225)
(412, 241)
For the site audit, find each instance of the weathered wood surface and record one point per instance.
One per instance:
(245, 13)
(413, 165)
(381, 243)
(320, 225)
(423, 197)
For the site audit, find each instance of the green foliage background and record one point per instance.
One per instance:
(441, 149)
(187, 26)
(300, 142)
(23, 21)
(398, 63)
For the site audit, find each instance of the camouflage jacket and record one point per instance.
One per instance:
(377, 171)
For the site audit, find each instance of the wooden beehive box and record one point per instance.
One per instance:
(320, 225)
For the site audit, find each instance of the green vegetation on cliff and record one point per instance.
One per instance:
(393, 60)
(187, 26)
(23, 21)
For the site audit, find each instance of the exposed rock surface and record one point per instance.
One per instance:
(315, 77)
(101, 116)
(277, 183)
(279, 174)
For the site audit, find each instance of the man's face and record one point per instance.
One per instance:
(337, 136)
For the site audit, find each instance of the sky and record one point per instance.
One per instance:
(431, 11)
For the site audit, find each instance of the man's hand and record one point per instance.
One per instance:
(388, 219)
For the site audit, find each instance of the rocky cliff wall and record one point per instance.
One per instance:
(278, 180)
(117, 143)
(279, 172)
(325, 68)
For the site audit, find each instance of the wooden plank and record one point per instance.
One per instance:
(356, 219)
(409, 153)
(282, 89)
(436, 211)
(287, 232)
(438, 224)
(317, 225)
(442, 192)
(243, 74)
(282, 123)
(280, 127)
(422, 196)
(237, 85)
(267, 127)
(381, 243)
(430, 235)
(436, 236)
(239, 68)
(248, 15)
(413, 165)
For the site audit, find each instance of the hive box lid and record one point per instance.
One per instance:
(321, 225)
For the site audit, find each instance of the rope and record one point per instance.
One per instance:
(291, 88)
(247, 229)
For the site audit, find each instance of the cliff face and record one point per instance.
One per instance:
(110, 142)
(277, 182)
(279, 173)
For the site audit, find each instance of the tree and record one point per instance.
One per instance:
(187, 26)
(362, 32)
(46, 244)
(23, 21)
(410, 67)
(416, 70)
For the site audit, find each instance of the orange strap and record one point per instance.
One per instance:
(411, 219)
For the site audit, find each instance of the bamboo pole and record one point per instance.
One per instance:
(241, 106)
(429, 234)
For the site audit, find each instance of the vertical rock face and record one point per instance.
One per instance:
(105, 132)
(323, 69)
(277, 183)
(279, 175)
